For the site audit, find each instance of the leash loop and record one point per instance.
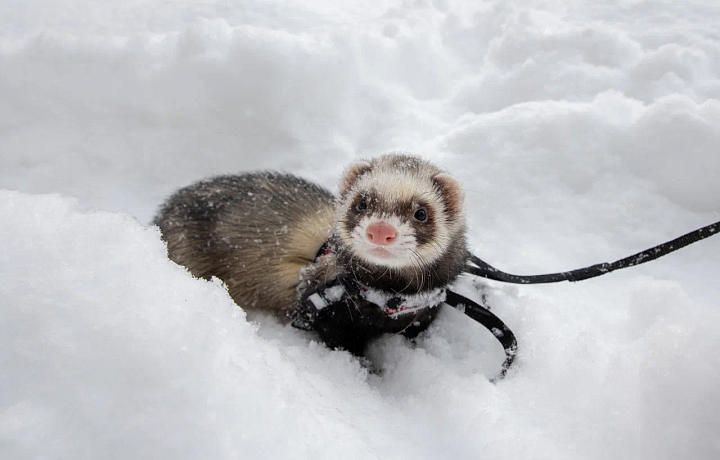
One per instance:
(494, 324)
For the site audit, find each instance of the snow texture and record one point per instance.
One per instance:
(582, 132)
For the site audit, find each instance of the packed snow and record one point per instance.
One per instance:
(582, 132)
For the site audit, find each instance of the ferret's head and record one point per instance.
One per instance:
(400, 221)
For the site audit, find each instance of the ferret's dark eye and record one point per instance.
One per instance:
(362, 205)
(421, 215)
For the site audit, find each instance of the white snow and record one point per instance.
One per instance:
(334, 293)
(582, 131)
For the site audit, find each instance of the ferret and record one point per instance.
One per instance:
(397, 225)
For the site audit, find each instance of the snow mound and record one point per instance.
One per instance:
(111, 350)
(582, 132)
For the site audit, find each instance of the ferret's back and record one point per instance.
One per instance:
(254, 231)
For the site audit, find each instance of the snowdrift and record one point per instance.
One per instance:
(582, 132)
(111, 350)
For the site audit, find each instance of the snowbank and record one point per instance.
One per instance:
(582, 132)
(110, 349)
(144, 96)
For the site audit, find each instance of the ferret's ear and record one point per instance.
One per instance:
(451, 190)
(351, 174)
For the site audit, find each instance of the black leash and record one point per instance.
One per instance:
(494, 324)
(343, 319)
(485, 270)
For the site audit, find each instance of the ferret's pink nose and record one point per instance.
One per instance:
(381, 233)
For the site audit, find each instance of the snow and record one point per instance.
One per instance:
(582, 131)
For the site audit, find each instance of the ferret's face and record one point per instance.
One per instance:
(398, 211)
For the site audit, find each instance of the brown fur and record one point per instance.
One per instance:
(256, 232)
(351, 174)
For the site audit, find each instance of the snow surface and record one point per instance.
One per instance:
(583, 132)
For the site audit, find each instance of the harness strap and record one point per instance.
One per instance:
(485, 270)
(494, 324)
(323, 305)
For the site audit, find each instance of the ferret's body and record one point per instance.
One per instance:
(254, 231)
(397, 226)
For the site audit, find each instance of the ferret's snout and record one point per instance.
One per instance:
(381, 233)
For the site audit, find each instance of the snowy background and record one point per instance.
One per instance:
(582, 131)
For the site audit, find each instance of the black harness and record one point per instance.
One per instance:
(347, 315)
